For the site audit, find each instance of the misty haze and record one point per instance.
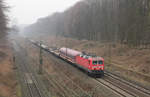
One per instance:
(75, 48)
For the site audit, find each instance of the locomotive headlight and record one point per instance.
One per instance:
(94, 67)
(100, 66)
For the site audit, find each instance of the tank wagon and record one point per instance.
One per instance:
(93, 65)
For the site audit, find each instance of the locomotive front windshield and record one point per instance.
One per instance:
(97, 62)
(100, 62)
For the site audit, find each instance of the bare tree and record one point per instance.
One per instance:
(3, 19)
(124, 21)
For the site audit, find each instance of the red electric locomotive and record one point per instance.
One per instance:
(92, 64)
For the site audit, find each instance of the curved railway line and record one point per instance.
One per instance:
(34, 88)
(30, 82)
(112, 88)
(122, 87)
(78, 92)
(58, 84)
(141, 90)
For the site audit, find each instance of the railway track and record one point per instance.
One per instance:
(65, 75)
(58, 84)
(33, 88)
(78, 91)
(122, 87)
(65, 92)
(31, 84)
(62, 86)
(112, 88)
(140, 89)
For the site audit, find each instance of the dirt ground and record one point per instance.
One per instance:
(7, 76)
(132, 63)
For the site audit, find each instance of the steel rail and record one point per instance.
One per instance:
(139, 88)
(24, 69)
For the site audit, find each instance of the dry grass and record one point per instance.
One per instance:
(7, 76)
(135, 61)
(66, 75)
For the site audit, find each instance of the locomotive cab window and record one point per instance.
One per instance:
(95, 62)
(100, 62)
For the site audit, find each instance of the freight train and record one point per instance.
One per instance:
(92, 64)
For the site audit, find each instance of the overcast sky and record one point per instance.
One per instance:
(28, 11)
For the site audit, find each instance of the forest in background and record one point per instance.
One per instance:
(3, 19)
(122, 21)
